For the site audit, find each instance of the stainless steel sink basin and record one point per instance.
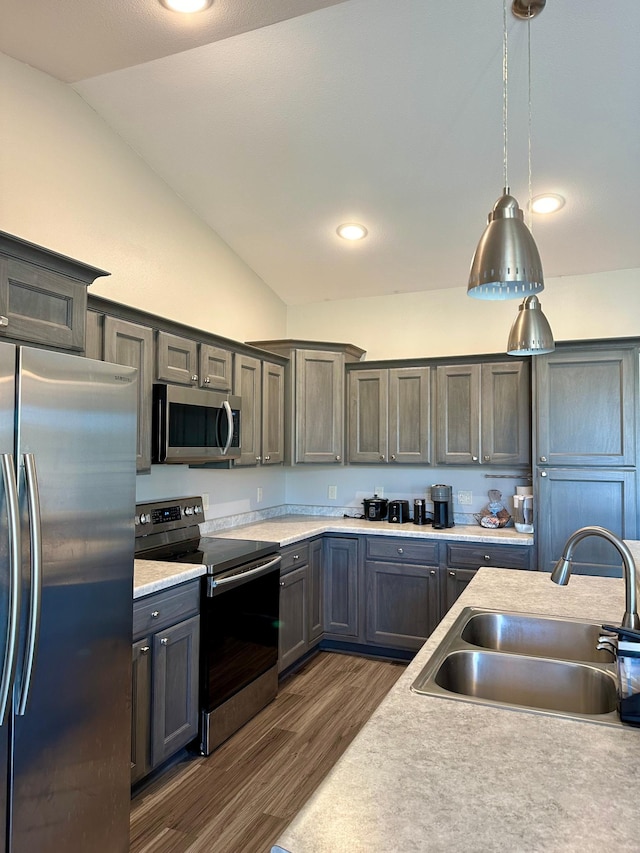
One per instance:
(524, 662)
(522, 634)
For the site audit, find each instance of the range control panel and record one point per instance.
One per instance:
(168, 515)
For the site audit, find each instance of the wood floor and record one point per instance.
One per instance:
(240, 798)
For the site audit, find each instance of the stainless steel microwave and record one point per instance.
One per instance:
(192, 425)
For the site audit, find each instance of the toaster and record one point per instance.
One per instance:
(398, 512)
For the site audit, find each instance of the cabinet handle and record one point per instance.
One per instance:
(400, 550)
(194, 378)
(486, 457)
(144, 650)
(207, 380)
(164, 641)
(432, 572)
(4, 321)
(155, 614)
(474, 458)
(296, 556)
(543, 458)
(382, 457)
(282, 583)
(267, 458)
(338, 458)
(487, 557)
(543, 473)
(452, 574)
(393, 457)
(258, 458)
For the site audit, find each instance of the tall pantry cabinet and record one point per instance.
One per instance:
(585, 422)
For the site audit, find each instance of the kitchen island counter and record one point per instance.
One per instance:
(433, 774)
(289, 529)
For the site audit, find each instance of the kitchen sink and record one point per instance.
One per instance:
(524, 662)
(540, 636)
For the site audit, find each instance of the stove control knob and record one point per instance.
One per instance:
(137, 520)
(188, 510)
(197, 509)
(145, 518)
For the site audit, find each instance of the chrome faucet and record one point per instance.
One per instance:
(562, 569)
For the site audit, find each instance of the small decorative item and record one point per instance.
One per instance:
(494, 514)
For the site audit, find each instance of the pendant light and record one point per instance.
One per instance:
(506, 264)
(530, 333)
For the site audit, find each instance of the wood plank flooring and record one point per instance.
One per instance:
(240, 798)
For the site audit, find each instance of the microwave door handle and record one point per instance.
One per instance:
(35, 539)
(227, 408)
(15, 553)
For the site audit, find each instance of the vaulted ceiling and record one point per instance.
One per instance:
(277, 120)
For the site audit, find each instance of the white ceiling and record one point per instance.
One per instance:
(276, 120)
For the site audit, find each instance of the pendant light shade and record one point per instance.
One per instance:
(530, 333)
(506, 264)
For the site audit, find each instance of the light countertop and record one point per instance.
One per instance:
(152, 576)
(433, 774)
(288, 529)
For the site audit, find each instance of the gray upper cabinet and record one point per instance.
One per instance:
(215, 368)
(389, 415)
(483, 413)
(315, 404)
(585, 407)
(130, 344)
(43, 295)
(260, 384)
(176, 359)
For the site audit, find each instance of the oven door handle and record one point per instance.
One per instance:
(216, 586)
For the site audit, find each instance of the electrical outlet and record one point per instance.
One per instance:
(259, 494)
(379, 491)
(465, 498)
(332, 493)
(205, 501)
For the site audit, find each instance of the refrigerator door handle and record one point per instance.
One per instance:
(35, 538)
(11, 646)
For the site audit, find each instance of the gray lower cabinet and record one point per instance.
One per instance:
(402, 601)
(43, 295)
(341, 600)
(260, 385)
(483, 414)
(389, 415)
(166, 651)
(453, 584)
(301, 597)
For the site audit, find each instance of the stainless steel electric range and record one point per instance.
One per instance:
(239, 612)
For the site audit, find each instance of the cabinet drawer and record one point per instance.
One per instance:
(155, 612)
(474, 556)
(294, 556)
(401, 550)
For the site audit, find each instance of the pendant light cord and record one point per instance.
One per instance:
(530, 212)
(505, 72)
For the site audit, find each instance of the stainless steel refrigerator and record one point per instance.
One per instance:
(67, 498)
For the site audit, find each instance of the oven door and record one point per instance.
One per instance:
(192, 426)
(239, 629)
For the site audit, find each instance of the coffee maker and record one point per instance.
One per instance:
(442, 497)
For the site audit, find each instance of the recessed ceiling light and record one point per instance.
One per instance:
(547, 203)
(351, 231)
(187, 6)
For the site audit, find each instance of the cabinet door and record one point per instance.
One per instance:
(368, 392)
(214, 368)
(132, 345)
(458, 414)
(574, 498)
(316, 597)
(319, 406)
(506, 413)
(586, 408)
(341, 586)
(141, 710)
(177, 359)
(175, 688)
(272, 413)
(248, 385)
(402, 604)
(455, 583)
(294, 617)
(41, 306)
(410, 415)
